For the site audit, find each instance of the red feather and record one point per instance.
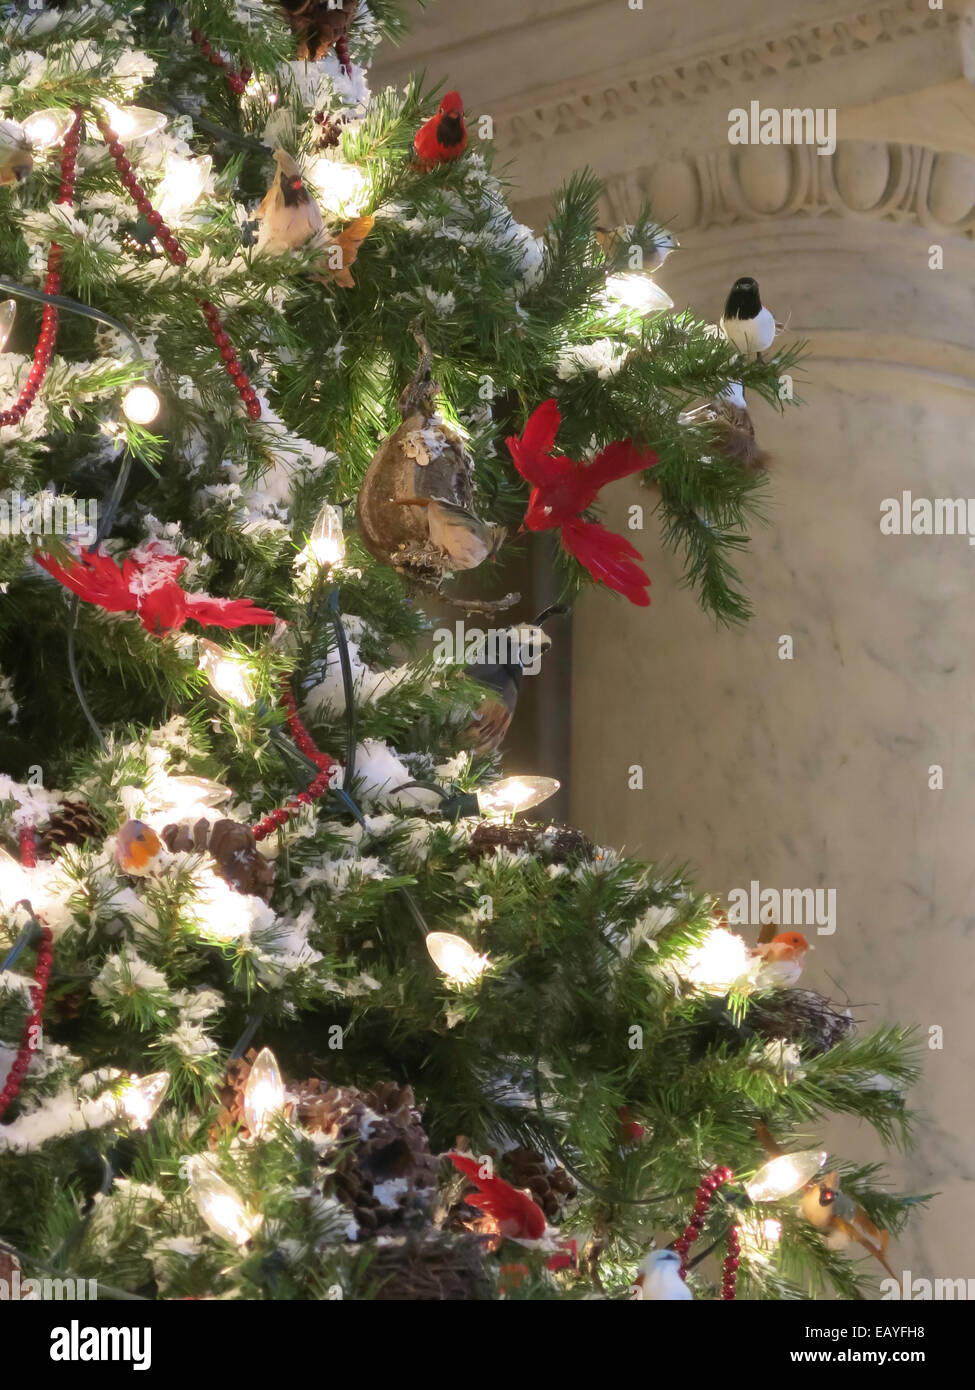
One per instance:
(147, 585)
(608, 558)
(444, 136)
(518, 1215)
(96, 578)
(563, 489)
(225, 612)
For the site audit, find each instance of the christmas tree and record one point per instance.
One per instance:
(291, 1006)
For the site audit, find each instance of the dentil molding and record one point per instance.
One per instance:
(731, 73)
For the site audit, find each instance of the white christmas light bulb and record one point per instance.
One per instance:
(49, 127)
(14, 882)
(759, 1236)
(455, 958)
(8, 312)
(182, 184)
(221, 1207)
(784, 1175)
(327, 539)
(142, 1096)
(263, 1092)
(638, 292)
(513, 794)
(132, 122)
(721, 959)
(140, 405)
(228, 674)
(341, 188)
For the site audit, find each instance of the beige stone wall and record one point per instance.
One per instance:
(811, 772)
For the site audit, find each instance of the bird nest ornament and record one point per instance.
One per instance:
(552, 844)
(415, 508)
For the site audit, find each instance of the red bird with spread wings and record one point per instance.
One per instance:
(563, 489)
(146, 584)
(444, 136)
(518, 1216)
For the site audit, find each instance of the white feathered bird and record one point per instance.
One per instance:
(659, 1278)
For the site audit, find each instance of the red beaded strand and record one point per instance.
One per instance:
(731, 1263)
(38, 993)
(44, 350)
(236, 80)
(170, 244)
(707, 1187)
(316, 788)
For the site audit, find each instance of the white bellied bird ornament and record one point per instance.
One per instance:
(659, 1279)
(746, 323)
(520, 648)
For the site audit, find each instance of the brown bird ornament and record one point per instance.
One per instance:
(290, 218)
(726, 416)
(16, 160)
(841, 1221)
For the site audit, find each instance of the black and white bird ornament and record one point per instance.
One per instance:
(521, 647)
(746, 323)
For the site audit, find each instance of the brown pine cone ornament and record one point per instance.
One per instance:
(384, 1171)
(319, 26)
(232, 845)
(548, 1183)
(74, 822)
(230, 1093)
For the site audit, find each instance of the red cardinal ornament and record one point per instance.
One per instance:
(444, 136)
(518, 1215)
(146, 584)
(563, 489)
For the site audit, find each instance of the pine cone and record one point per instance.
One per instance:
(318, 25)
(74, 822)
(239, 861)
(231, 1095)
(385, 1172)
(555, 844)
(548, 1183)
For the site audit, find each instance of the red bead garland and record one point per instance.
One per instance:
(236, 81)
(170, 244)
(38, 993)
(44, 350)
(316, 788)
(707, 1187)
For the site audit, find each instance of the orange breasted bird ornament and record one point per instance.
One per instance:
(782, 958)
(137, 846)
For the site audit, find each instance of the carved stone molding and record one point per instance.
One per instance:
(899, 183)
(728, 72)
